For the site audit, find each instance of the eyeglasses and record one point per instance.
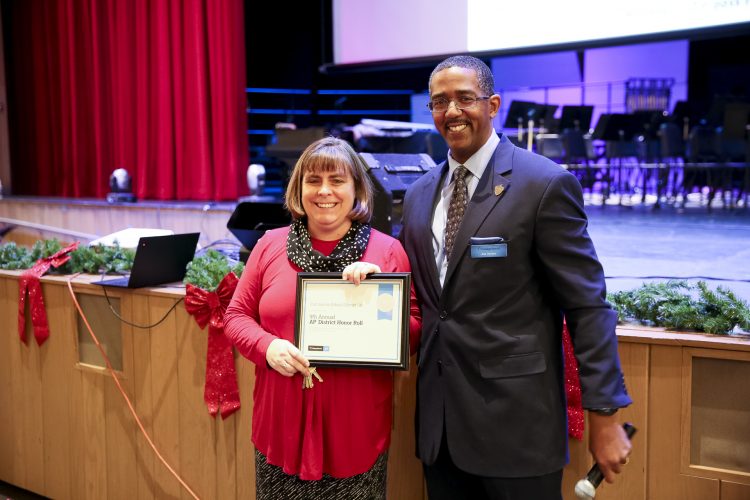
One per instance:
(437, 106)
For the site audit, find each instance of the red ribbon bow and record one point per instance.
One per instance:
(572, 388)
(208, 308)
(30, 282)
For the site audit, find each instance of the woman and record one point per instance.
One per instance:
(329, 441)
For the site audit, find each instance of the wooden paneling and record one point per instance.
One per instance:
(97, 218)
(57, 355)
(226, 452)
(665, 419)
(734, 491)
(403, 465)
(142, 375)
(27, 391)
(716, 424)
(66, 432)
(74, 425)
(94, 452)
(122, 467)
(120, 436)
(245, 451)
(631, 483)
(8, 341)
(197, 430)
(165, 393)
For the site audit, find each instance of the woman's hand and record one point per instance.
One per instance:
(286, 359)
(357, 271)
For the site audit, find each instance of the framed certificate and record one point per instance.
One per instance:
(339, 323)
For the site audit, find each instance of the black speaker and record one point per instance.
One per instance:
(391, 176)
(250, 220)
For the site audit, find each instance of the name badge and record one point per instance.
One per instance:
(488, 247)
(492, 251)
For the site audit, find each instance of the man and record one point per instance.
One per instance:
(498, 257)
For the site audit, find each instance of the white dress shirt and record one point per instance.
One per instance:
(476, 165)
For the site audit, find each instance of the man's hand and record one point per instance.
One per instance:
(608, 443)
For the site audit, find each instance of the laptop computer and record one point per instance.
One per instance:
(158, 260)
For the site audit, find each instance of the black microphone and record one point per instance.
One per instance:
(586, 487)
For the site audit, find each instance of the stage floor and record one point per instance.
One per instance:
(639, 244)
(635, 243)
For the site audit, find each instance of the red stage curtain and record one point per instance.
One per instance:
(154, 86)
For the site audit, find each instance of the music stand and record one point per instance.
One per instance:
(520, 112)
(524, 113)
(647, 122)
(681, 117)
(576, 118)
(615, 127)
(617, 130)
(680, 112)
(547, 116)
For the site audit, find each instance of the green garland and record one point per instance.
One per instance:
(205, 271)
(209, 269)
(673, 304)
(14, 257)
(92, 260)
(677, 305)
(99, 259)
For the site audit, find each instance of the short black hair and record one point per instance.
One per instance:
(485, 79)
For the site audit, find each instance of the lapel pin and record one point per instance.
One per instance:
(499, 189)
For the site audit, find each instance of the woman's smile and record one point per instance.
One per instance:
(328, 199)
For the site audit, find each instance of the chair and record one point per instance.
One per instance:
(578, 155)
(623, 156)
(620, 150)
(733, 151)
(551, 146)
(672, 156)
(651, 170)
(703, 167)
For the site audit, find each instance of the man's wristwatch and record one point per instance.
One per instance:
(605, 412)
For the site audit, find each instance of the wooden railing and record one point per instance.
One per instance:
(66, 433)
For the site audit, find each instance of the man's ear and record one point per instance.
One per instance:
(494, 105)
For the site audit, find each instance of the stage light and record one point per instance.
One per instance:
(256, 179)
(120, 184)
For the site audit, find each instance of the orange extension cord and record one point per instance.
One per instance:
(122, 391)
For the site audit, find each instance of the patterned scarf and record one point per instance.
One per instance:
(350, 249)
